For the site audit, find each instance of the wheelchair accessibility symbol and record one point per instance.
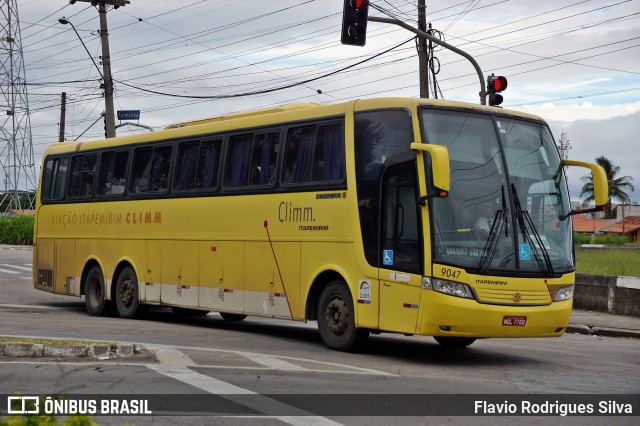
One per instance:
(525, 252)
(387, 257)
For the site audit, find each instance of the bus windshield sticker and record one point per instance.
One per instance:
(387, 257)
(525, 252)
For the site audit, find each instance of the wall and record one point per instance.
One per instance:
(617, 295)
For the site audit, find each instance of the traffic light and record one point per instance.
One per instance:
(495, 85)
(354, 22)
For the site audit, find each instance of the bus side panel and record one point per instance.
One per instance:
(222, 283)
(65, 270)
(153, 273)
(45, 264)
(267, 292)
(180, 273)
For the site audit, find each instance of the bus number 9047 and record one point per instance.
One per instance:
(450, 273)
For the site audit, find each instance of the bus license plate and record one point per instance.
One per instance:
(514, 321)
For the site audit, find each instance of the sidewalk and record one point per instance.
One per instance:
(603, 324)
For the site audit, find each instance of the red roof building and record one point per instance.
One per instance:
(629, 226)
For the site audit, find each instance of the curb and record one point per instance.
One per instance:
(602, 331)
(98, 351)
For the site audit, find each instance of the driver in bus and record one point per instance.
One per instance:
(486, 214)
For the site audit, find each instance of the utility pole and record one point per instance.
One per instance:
(423, 61)
(63, 111)
(109, 118)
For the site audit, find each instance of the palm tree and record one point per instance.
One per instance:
(617, 185)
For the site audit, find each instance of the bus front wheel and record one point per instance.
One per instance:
(94, 292)
(336, 319)
(454, 342)
(127, 300)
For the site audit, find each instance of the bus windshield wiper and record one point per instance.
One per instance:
(524, 220)
(499, 222)
(489, 250)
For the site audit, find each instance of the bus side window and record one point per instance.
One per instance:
(151, 168)
(113, 172)
(237, 169)
(83, 168)
(263, 158)
(328, 161)
(208, 160)
(141, 170)
(186, 165)
(299, 155)
(55, 176)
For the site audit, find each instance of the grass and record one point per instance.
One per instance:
(608, 261)
(16, 229)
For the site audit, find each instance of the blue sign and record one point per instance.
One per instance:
(387, 257)
(131, 114)
(525, 252)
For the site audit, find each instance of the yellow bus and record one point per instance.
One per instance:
(410, 216)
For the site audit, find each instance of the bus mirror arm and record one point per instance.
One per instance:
(438, 193)
(573, 212)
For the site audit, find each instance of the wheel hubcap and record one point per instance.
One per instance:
(126, 292)
(337, 316)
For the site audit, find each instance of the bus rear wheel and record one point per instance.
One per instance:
(232, 317)
(454, 342)
(94, 292)
(127, 301)
(336, 319)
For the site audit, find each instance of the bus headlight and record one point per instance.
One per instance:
(564, 293)
(453, 289)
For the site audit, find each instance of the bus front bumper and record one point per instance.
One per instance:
(445, 315)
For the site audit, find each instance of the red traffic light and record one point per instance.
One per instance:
(496, 83)
(354, 22)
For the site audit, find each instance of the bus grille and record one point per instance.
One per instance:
(45, 277)
(513, 297)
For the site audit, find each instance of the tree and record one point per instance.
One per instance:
(617, 185)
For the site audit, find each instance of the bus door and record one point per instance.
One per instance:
(400, 249)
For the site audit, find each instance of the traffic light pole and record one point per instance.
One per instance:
(483, 87)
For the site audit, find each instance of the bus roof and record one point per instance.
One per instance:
(246, 114)
(269, 116)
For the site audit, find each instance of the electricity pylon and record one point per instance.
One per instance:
(16, 144)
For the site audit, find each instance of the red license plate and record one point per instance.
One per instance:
(514, 321)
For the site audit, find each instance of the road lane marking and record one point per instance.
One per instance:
(281, 362)
(23, 268)
(174, 364)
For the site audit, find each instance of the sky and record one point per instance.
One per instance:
(575, 63)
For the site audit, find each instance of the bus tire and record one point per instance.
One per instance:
(232, 317)
(127, 301)
(454, 342)
(336, 319)
(94, 292)
(187, 312)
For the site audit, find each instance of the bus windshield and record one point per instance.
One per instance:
(507, 207)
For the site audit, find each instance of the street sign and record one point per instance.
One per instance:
(131, 114)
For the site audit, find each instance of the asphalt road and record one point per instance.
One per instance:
(259, 357)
